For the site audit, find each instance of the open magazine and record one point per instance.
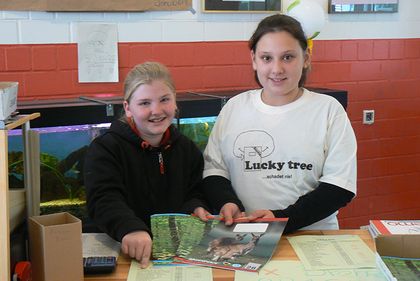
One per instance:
(242, 246)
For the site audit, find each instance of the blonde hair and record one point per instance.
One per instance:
(146, 73)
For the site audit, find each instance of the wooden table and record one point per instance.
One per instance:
(284, 251)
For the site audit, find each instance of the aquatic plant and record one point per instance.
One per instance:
(51, 176)
(198, 132)
(76, 207)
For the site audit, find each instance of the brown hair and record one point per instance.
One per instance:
(277, 23)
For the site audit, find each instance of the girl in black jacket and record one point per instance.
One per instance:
(142, 165)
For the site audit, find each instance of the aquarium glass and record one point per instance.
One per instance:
(198, 129)
(62, 155)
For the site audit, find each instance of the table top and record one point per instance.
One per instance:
(284, 251)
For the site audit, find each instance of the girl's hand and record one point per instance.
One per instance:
(138, 245)
(202, 213)
(231, 211)
(260, 214)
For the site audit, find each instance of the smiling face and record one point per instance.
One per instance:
(152, 107)
(278, 61)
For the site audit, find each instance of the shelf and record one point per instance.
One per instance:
(28, 194)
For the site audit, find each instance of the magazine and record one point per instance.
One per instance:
(403, 269)
(242, 246)
(168, 229)
(386, 227)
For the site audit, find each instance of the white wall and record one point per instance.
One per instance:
(17, 27)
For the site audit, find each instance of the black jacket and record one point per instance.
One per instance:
(126, 182)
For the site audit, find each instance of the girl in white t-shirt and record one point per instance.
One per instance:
(281, 151)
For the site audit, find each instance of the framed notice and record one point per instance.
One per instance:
(362, 6)
(95, 5)
(247, 6)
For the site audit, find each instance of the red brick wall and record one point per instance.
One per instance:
(50, 71)
(383, 75)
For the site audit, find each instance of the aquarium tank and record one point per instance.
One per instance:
(63, 149)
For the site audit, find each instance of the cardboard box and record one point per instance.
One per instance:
(55, 243)
(404, 245)
(8, 99)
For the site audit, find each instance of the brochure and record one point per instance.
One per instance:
(403, 269)
(242, 246)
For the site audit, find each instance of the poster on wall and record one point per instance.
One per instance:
(97, 47)
(244, 6)
(95, 5)
(362, 6)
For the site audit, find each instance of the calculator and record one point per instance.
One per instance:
(98, 265)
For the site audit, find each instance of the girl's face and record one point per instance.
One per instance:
(279, 61)
(152, 106)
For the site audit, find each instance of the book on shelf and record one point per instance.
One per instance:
(392, 227)
(242, 246)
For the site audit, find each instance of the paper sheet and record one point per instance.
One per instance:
(383, 268)
(99, 245)
(321, 252)
(169, 273)
(295, 271)
(97, 52)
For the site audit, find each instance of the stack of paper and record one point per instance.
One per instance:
(322, 257)
(291, 270)
(325, 252)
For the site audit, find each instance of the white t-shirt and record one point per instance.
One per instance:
(275, 154)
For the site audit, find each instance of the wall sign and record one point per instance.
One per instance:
(96, 5)
(247, 6)
(362, 6)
